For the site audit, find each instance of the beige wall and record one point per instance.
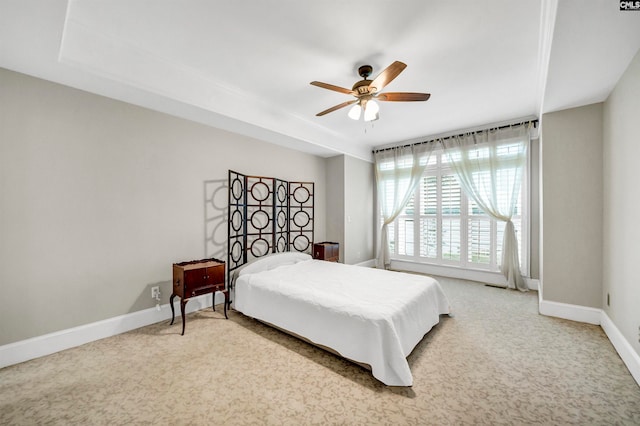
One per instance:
(622, 205)
(335, 201)
(572, 196)
(98, 198)
(534, 209)
(358, 213)
(350, 207)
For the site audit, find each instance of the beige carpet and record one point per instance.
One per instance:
(495, 362)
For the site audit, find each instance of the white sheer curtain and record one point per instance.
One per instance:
(489, 166)
(398, 171)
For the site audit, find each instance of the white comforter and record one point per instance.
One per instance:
(371, 316)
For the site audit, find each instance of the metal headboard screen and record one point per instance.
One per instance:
(267, 215)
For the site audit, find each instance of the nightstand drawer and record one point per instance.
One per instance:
(197, 291)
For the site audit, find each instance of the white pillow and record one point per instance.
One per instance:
(272, 261)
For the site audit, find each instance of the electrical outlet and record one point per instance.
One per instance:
(155, 292)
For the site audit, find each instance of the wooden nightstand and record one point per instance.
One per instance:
(195, 278)
(326, 251)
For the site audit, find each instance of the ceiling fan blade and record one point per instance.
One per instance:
(386, 76)
(402, 97)
(332, 87)
(333, 108)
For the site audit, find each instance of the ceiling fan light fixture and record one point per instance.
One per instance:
(354, 112)
(371, 111)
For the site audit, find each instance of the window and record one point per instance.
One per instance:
(440, 225)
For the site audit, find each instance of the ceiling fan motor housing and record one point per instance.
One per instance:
(365, 71)
(362, 86)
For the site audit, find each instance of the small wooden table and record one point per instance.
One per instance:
(195, 278)
(326, 251)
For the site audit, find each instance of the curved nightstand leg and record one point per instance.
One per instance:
(183, 302)
(173, 312)
(226, 302)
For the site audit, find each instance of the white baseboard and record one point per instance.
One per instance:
(371, 263)
(629, 356)
(450, 272)
(533, 284)
(495, 278)
(570, 312)
(14, 353)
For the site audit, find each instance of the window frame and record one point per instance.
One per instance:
(438, 168)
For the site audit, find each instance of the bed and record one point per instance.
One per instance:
(370, 316)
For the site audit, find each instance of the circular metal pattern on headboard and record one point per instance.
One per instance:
(259, 247)
(259, 219)
(282, 244)
(282, 192)
(301, 218)
(236, 252)
(236, 220)
(301, 242)
(301, 194)
(237, 189)
(260, 191)
(281, 219)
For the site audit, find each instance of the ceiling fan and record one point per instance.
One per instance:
(367, 91)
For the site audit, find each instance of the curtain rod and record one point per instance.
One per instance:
(534, 122)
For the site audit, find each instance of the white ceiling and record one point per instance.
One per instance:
(245, 66)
